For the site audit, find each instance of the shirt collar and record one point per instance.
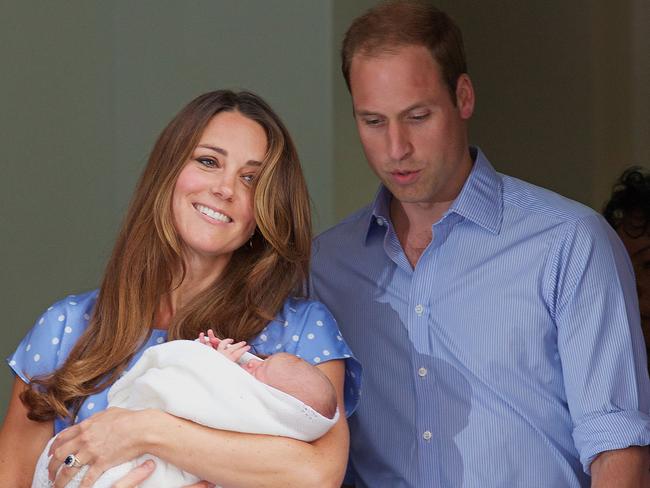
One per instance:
(480, 200)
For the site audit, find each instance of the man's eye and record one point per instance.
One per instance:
(372, 122)
(419, 117)
(208, 162)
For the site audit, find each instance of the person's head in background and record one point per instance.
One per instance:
(628, 212)
(298, 378)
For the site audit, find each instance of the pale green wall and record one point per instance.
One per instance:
(84, 90)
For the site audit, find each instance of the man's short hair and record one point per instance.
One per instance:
(395, 24)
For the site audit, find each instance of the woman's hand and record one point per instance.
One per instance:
(102, 441)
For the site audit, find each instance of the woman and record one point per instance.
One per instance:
(217, 236)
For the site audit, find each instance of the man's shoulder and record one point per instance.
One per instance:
(524, 197)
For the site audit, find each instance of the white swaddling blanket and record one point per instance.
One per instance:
(193, 381)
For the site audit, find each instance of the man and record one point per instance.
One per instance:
(496, 321)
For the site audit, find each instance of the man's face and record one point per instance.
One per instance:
(413, 135)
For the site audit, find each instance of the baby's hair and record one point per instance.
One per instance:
(306, 383)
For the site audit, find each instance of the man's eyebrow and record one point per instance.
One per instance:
(415, 106)
(220, 150)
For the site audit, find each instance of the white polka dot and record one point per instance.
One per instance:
(317, 359)
(90, 406)
(86, 316)
(295, 338)
(68, 329)
(326, 352)
(298, 355)
(37, 357)
(346, 355)
(12, 363)
(61, 318)
(278, 346)
(310, 336)
(55, 340)
(72, 303)
(339, 337)
(286, 323)
(263, 337)
(40, 322)
(49, 308)
(319, 323)
(160, 340)
(29, 346)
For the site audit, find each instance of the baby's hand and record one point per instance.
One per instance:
(232, 350)
(209, 340)
(224, 346)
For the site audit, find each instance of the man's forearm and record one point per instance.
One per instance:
(622, 468)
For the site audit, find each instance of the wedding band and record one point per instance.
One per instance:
(72, 461)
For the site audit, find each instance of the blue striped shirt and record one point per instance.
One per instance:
(510, 356)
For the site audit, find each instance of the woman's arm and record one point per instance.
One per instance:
(21, 441)
(226, 458)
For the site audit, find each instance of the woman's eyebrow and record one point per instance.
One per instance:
(220, 150)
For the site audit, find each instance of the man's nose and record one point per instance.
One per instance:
(399, 144)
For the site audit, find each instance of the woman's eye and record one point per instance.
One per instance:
(249, 179)
(208, 162)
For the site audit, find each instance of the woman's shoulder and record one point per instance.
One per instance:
(48, 342)
(70, 308)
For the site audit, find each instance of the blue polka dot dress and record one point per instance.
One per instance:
(303, 327)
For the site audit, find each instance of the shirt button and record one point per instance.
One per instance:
(380, 221)
(426, 435)
(422, 372)
(419, 309)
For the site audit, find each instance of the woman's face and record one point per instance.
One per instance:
(212, 203)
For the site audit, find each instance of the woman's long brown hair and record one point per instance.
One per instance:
(144, 265)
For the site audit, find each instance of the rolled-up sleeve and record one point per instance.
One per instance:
(600, 342)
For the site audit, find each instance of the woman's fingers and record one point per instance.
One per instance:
(137, 475)
(59, 454)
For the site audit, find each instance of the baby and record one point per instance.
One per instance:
(283, 371)
(222, 386)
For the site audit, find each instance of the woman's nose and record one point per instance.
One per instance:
(224, 187)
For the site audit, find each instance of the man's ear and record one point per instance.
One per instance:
(465, 96)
